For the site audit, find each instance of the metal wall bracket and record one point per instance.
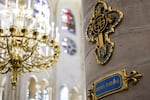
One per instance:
(112, 83)
(102, 23)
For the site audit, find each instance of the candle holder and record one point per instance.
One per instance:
(26, 44)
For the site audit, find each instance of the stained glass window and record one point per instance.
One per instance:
(45, 94)
(42, 12)
(41, 6)
(42, 95)
(68, 21)
(31, 92)
(69, 46)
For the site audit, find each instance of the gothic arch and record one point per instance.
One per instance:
(32, 87)
(44, 83)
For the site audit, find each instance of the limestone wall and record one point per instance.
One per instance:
(132, 47)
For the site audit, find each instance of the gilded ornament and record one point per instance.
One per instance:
(112, 83)
(102, 23)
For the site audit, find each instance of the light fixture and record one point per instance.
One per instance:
(26, 44)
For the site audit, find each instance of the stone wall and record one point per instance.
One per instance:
(132, 47)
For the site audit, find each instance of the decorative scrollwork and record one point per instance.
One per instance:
(91, 95)
(102, 23)
(134, 77)
(112, 83)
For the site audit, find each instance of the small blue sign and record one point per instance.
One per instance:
(108, 84)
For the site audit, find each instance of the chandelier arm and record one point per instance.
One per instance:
(25, 67)
(34, 47)
(8, 49)
(41, 58)
(37, 65)
(4, 63)
(7, 59)
(29, 69)
(38, 40)
(2, 67)
(25, 44)
(48, 57)
(5, 71)
(2, 46)
(21, 70)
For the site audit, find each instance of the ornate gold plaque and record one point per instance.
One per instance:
(112, 83)
(102, 23)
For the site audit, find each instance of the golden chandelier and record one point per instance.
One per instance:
(24, 45)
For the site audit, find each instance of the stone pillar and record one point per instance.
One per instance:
(1, 93)
(131, 51)
(50, 90)
(75, 94)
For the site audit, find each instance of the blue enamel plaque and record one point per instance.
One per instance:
(108, 84)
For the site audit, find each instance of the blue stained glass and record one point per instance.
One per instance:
(43, 1)
(41, 4)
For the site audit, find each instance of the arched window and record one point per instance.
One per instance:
(42, 92)
(68, 21)
(31, 93)
(41, 7)
(45, 94)
(38, 95)
(42, 14)
(64, 93)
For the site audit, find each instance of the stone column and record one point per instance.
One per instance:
(131, 51)
(1, 93)
(50, 93)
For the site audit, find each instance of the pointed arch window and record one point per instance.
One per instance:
(31, 92)
(41, 6)
(68, 21)
(64, 93)
(45, 94)
(42, 12)
(42, 92)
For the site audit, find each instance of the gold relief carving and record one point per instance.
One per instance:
(112, 83)
(102, 23)
(134, 77)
